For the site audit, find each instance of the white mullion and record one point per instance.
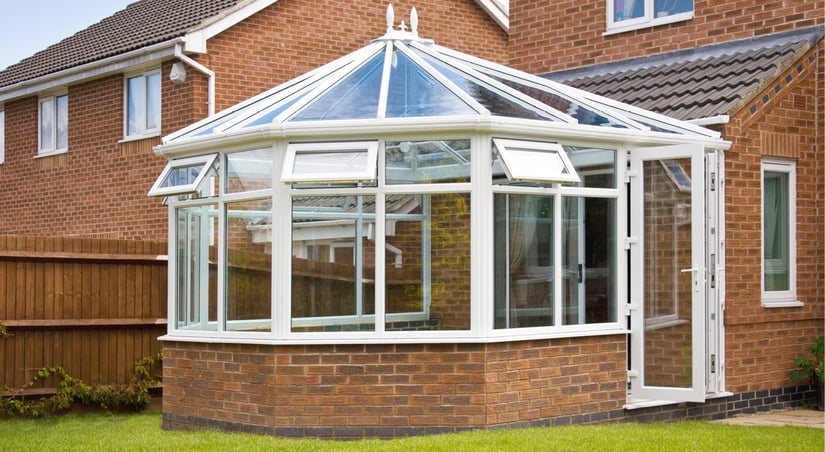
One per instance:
(482, 271)
(221, 244)
(380, 241)
(384, 90)
(558, 306)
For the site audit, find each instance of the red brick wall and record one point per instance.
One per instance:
(389, 390)
(553, 35)
(762, 343)
(98, 188)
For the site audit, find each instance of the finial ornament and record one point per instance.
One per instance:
(390, 17)
(414, 21)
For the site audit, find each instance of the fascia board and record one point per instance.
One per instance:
(498, 11)
(116, 64)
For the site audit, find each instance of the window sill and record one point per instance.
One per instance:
(768, 304)
(139, 137)
(51, 154)
(616, 29)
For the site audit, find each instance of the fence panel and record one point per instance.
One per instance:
(92, 306)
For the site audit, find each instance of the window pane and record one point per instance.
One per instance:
(596, 167)
(775, 231)
(135, 105)
(664, 8)
(532, 162)
(153, 101)
(196, 274)
(589, 260)
(417, 162)
(523, 260)
(343, 162)
(628, 9)
(249, 265)
(62, 122)
(333, 263)
(47, 124)
(428, 262)
(354, 97)
(250, 170)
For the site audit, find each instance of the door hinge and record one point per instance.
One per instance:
(713, 181)
(630, 241)
(713, 364)
(630, 173)
(630, 307)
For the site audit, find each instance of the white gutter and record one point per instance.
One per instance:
(117, 63)
(210, 91)
(710, 120)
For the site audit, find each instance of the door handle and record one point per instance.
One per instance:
(687, 270)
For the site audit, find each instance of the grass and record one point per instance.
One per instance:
(142, 432)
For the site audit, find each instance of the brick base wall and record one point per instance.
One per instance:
(355, 391)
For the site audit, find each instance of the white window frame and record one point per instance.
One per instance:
(780, 298)
(647, 20)
(51, 147)
(336, 174)
(141, 130)
(532, 161)
(204, 161)
(2, 136)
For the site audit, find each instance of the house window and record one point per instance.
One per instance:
(624, 15)
(184, 176)
(779, 233)
(2, 136)
(143, 104)
(54, 124)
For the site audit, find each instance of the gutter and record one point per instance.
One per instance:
(210, 91)
(117, 63)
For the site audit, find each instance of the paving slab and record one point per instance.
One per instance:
(796, 417)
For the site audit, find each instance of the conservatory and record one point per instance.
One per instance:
(414, 195)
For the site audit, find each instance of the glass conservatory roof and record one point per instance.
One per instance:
(403, 76)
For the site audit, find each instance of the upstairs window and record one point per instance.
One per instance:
(53, 115)
(143, 104)
(625, 15)
(2, 136)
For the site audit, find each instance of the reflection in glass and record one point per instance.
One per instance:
(249, 170)
(248, 265)
(413, 92)
(417, 162)
(524, 252)
(333, 263)
(196, 275)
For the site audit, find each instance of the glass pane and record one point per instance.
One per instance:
(775, 231)
(596, 167)
(47, 125)
(153, 101)
(589, 260)
(249, 170)
(428, 262)
(354, 97)
(524, 252)
(496, 102)
(664, 8)
(135, 105)
(667, 288)
(340, 162)
(628, 9)
(413, 92)
(196, 274)
(182, 175)
(333, 263)
(62, 122)
(424, 162)
(532, 161)
(249, 265)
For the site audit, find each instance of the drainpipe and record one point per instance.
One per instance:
(210, 91)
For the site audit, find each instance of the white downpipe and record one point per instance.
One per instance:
(210, 91)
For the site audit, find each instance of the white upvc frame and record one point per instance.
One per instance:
(328, 160)
(162, 187)
(780, 298)
(648, 19)
(535, 161)
(52, 144)
(141, 129)
(2, 135)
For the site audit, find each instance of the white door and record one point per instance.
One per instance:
(667, 275)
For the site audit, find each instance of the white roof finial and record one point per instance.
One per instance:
(414, 21)
(390, 17)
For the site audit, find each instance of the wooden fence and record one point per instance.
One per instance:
(92, 306)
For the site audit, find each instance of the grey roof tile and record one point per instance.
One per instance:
(700, 82)
(140, 24)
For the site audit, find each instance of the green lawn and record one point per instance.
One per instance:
(143, 432)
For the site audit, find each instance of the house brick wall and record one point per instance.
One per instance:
(553, 35)
(785, 120)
